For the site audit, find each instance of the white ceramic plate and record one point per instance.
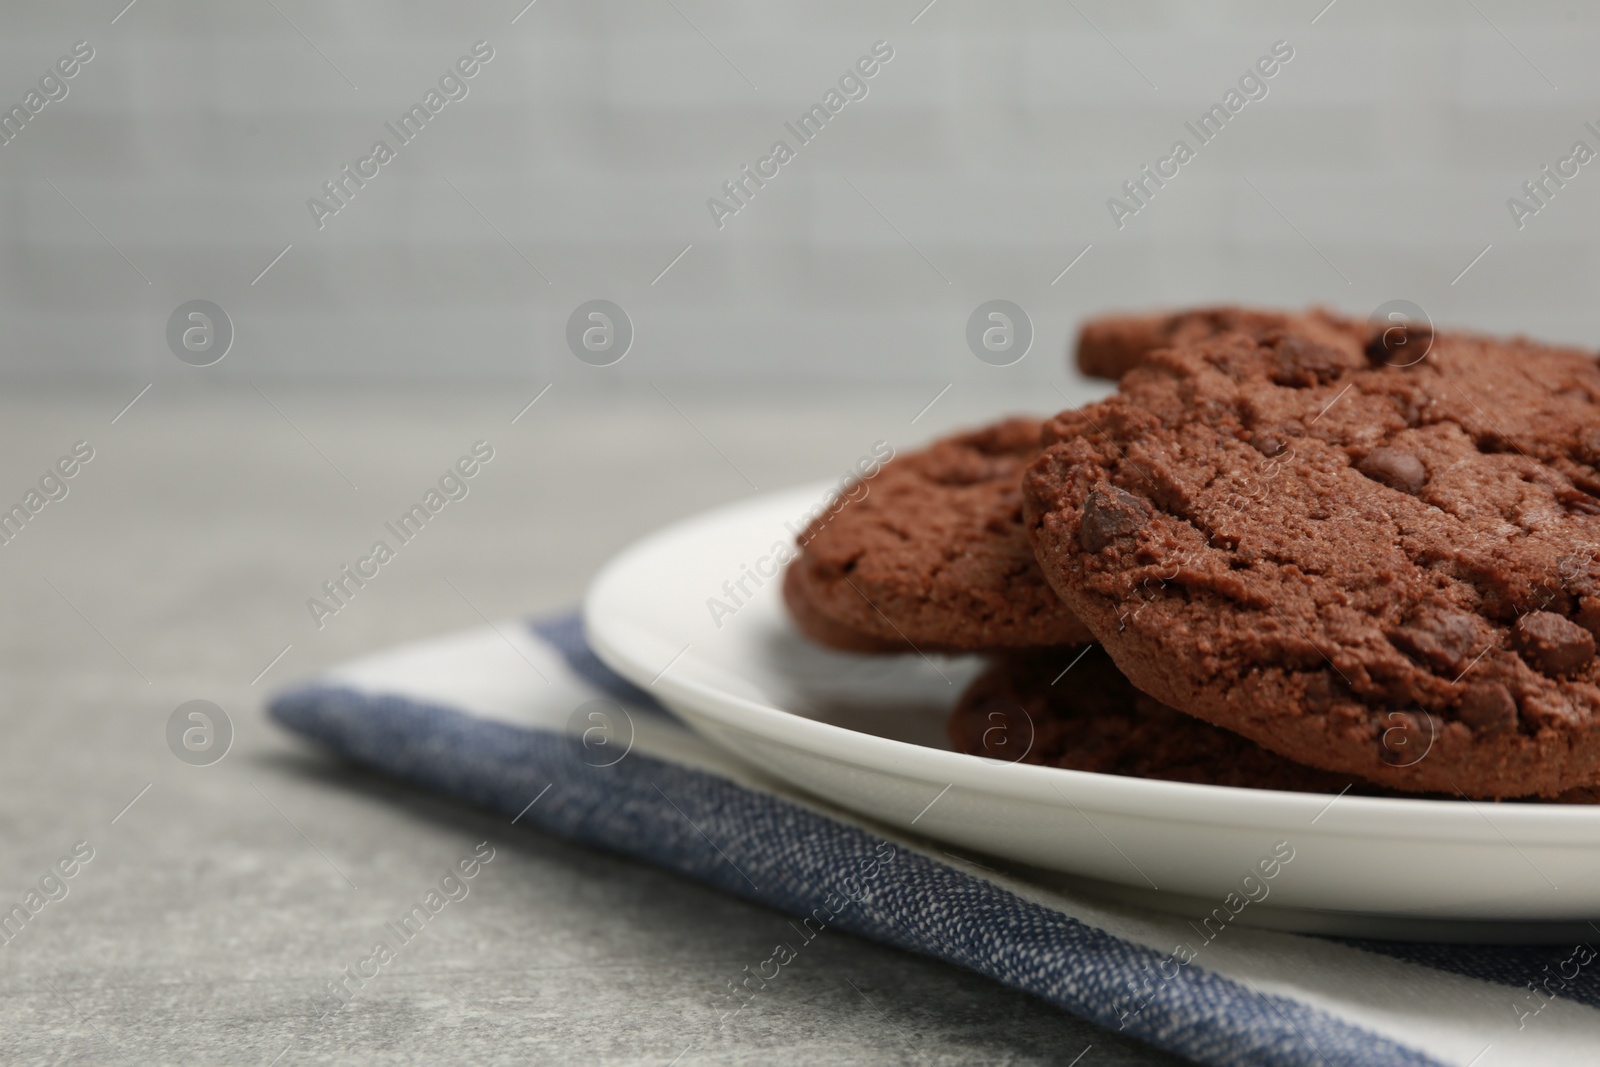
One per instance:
(867, 733)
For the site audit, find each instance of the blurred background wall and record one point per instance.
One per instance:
(579, 164)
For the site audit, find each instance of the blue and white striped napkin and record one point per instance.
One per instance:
(522, 719)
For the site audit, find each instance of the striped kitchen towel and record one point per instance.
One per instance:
(524, 720)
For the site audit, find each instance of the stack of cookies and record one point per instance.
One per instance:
(1293, 551)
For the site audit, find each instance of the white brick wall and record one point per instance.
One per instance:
(593, 138)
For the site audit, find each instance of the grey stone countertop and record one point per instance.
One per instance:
(216, 906)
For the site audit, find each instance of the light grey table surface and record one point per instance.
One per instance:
(218, 904)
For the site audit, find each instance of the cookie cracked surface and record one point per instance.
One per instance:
(1382, 567)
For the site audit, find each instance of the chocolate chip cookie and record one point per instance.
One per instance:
(1074, 709)
(823, 629)
(932, 556)
(1112, 345)
(1380, 561)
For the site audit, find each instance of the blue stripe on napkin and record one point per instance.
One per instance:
(767, 849)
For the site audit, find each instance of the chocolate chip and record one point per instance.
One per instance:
(1407, 737)
(1444, 639)
(1489, 708)
(1323, 691)
(1268, 442)
(1109, 513)
(1554, 644)
(1301, 363)
(1394, 468)
(1400, 345)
